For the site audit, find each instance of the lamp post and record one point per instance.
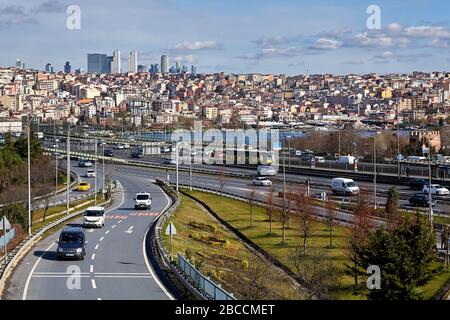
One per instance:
(29, 175)
(176, 161)
(68, 172)
(375, 170)
(289, 149)
(430, 204)
(103, 169)
(95, 172)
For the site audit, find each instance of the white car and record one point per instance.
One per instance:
(264, 170)
(90, 173)
(262, 181)
(120, 146)
(126, 146)
(94, 217)
(84, 163)
(143, 200)
(436, 189)
(319, 159)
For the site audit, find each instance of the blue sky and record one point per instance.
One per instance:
(233, 36)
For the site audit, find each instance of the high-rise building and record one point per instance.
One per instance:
(178, 65)
(67, 67)
(48, 67)
(184, 69)
(132, 62)
(142, 68)
(98, 63)
(165, 63)
(19, 64)
(117, 63)
(193, 69)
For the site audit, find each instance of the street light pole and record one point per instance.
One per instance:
(375, 171)
(289, 155)
(68, 172)
(176, 162)
(29, 176)
(103, 170)
(430, 212)
(95, 172)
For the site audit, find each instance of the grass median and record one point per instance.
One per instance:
(236, 213)
(217, 253)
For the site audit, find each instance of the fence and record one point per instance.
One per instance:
(9, 235)
(203, 283)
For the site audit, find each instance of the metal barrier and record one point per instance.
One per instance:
(203, 283)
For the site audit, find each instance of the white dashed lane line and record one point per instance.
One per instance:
(113, 226)
(93, 256)
(107, 232)
(94, 286)
(101, 239)
(91, 269)
(96, 247)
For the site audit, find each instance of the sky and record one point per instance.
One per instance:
(233, 36)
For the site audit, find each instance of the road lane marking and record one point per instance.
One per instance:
(149, 267)
(130, 230)
(91, 269)
(96, 247)
(94, 286)
(119, 221)
(107, 232)
(113, 226)
(27, 283)
(93, 256)
(101, 239)
(99, 298)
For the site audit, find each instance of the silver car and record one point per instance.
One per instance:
(262, 181)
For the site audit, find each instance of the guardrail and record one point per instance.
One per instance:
(190, 283)
(18, 252)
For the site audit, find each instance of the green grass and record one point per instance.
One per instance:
(237, 214)
(196, 229)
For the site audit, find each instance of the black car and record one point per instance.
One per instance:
(71, 244)
(137, 154)
(108, 153)
(417, 184)
(421, 200)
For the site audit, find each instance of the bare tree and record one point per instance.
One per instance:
(256, 273)
(305, 218)
(45, 201)
(317, 273)
(110, 169)
(252, 193)
(270, 207)
(330, 218)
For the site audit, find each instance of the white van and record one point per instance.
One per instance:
(344, 186)
(347, 160)
(94, 217)
(266, 171)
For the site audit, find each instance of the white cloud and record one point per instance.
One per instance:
(196, 45)
(185, 59)
(326, 44)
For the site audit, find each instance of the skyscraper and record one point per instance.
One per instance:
(67, 67)
(117, 63)
(98, 63)
(132, 62)
(193, 69)
(48, 67)
(19, 64)
(165, 63)
(142, 68)
(178, 65)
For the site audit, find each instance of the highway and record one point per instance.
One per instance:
(115, 267)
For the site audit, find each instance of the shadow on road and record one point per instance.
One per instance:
(46, 255)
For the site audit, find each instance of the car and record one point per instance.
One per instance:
(421, 200)
(90, 173)
(417, 184)
(71, 244)
(262, 181)
(319, 159)
(264, 170)
(94, 217)
(137, 154)
(142, 200)
(126, 145)
(344, 186)
(436, 189)
(169, 161)
(108, 153)
(84, 163)
(84, 186)
(120, 146)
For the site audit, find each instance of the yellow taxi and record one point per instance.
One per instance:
(84, 186)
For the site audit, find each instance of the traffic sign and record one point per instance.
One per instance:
(4, 224)
(171, 230)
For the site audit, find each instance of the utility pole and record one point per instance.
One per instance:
(176, 160)
(68, 172)
(375, 170)
(95, 172)
(103, 170)
(29, 175)
(339, 138)
(430, 211)
(398, 145)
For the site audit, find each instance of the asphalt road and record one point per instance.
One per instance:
(115, 266)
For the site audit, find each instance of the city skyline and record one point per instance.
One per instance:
(296, 37)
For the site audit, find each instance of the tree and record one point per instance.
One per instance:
(270, 207)
(317, 273)
(391, 208)
(305, 218)
(251, 202)
(404, 257)
(330, 219)
(222, 181)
